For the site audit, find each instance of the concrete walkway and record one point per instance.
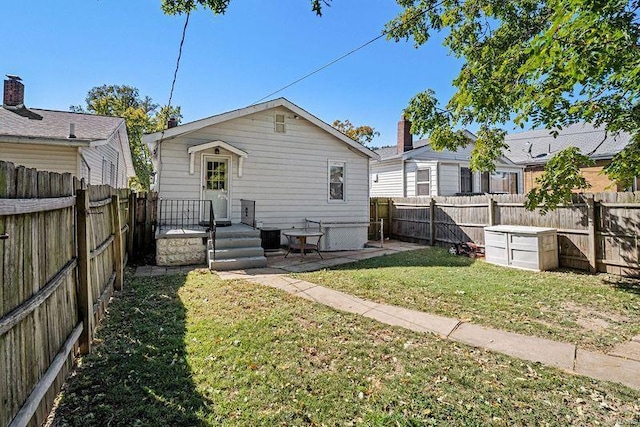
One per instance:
(622, 365)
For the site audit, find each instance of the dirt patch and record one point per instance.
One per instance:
(593, 320)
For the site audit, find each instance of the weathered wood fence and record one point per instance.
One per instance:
(596, 232)
(63, 248)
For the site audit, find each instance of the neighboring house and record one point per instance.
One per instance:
(85, 145)
(416, 169)
(532, 149)
(290, 163)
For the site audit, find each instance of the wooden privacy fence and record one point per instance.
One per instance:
(63, 247)
(596, 232)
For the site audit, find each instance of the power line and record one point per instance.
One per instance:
(351, 52)
(327, 65)
(175, 73)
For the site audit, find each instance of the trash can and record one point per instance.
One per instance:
(270, 237)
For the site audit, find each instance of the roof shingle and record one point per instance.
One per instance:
(537, 146)
(55, 125)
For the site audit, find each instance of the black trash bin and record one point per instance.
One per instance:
(270, 237)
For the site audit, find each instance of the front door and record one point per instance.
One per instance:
(215, 186)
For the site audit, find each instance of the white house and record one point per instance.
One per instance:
(416, 169)
(86, 145)
(291, 164)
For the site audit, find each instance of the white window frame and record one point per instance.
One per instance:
(422, 169)
(343, 164)
(281, 123)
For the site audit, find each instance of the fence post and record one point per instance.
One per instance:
(85, 298)
(492, 211)
(118, 256)
(132, 223)
(591, 217)
(432, 221)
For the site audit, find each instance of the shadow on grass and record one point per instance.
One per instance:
(137, 373)
(625, 284)
(429, 257)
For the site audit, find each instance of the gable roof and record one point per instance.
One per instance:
(187, 128)
(538, 146)
(54, 126)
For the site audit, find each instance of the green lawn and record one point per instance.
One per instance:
(594, 311)
(194, 350)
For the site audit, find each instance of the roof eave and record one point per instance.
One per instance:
(181, 130)
(69, 142)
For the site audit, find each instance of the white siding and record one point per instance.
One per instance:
(285, 173)
(445, 178)
(112, 154)
(449, 179)
(387, 178)
(51, 158)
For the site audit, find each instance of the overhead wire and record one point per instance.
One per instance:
(173, 85)
(419, 13)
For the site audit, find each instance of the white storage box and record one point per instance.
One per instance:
(531, 248)
(340, 235)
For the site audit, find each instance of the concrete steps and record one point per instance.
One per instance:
(236, 248)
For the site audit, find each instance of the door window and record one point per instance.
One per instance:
(216, 175)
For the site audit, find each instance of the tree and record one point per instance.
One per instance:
(544, 63)
(363, 134)
(141, 116)
(178, 7)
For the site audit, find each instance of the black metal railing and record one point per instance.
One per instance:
(248, 212)
(194, 215)
(212, 231)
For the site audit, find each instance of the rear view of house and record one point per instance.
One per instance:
(272, 166)
(416, 169)
(87, 146)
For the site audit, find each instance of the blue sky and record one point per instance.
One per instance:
(61, 49)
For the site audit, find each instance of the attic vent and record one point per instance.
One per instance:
(279, 123)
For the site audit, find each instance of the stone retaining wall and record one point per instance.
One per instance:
(180, 251)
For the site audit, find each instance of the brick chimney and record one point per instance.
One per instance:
(405, 139)
(13, 92)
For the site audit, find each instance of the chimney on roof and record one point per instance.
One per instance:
(405, 139)
(13, 92)
(173, 122)
(72, 131)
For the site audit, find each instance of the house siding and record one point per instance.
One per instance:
(285, 173)
(449, 179)
(59, 159)
(389, 176)
(594, 176)
(112, 153)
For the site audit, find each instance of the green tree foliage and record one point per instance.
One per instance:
(141, 116)
(363, 134)
(179, 7)
(544, 63)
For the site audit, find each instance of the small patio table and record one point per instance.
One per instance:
(301, 236)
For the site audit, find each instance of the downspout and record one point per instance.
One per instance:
(87, 165)
(438, 178)
(404, 177)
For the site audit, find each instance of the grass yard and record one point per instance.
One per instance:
(194, 350)
(595, 312)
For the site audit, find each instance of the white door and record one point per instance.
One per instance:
(215, 186)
